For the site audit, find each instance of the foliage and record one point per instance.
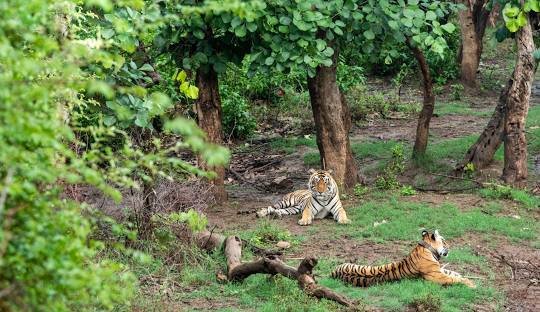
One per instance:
(46, 260)
(407, 190)
(294, 34)
(66, 74)
(237, 120)
(364, 104)
(457, 90)
(388, 180)
(360, 190)
(267, 234)
(349, 76)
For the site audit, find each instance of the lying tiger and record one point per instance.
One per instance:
(320, 199)
(423, 262)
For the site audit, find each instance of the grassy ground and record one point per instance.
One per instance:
(403, 218)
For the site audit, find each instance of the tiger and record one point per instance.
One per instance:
(423, 261)
(320, 199)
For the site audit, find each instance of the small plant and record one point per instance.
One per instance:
(407, 190)
(360, 190)
(457, 91)
(469, 170)
(397, 81)
(388, 180)
(267, 234)
(237, 119)
(438, 89)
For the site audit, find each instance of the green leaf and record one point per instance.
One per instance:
(146, 67)
(252, 27)
(240, 31)
(393, 24)
(431, 16)
(369, 34)
(199, 34)
(269, 61)
(512, 25)
(285, 20)
(192, 92)
(182, 75)
(328, 51)
(448, 27)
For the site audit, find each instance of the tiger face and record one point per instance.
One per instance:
(436, 241)
(322, 185)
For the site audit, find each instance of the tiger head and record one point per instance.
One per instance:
(435, 240)
(322, 185)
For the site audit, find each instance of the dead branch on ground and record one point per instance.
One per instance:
(268, 264)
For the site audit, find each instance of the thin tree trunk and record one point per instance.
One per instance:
(473, 21)
(480, 154)
(209, 119)
(515, 143)
(332, 123)
(422, 130)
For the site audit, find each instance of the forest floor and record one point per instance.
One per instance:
(480, 224)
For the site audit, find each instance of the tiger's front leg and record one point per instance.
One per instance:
(339, 214)
(307, 216)
(445, 279)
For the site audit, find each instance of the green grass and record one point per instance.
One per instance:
(460, 108)
(289, 145)
(406, 218)
(506, 192)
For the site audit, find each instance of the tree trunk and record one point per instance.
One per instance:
(473, 20)
(480, 154)
(422, 130)
(515, 143)
(209, 119)
(332, 123)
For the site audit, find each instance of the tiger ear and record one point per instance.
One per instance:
(424, 233)
(330, 171)
(437, 233)
(312, 171)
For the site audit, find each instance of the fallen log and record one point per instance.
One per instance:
(271, 264)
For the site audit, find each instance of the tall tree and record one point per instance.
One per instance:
(473, 20)
(204, 41)
(507, 123)
(517, 106)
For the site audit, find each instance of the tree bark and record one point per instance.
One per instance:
(480, 154)
(422, 129)
(208, 108)
(473, 21)
(515, 143)
(332, 123)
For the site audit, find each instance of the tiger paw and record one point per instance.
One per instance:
(263, 212)
(344, 221)
(468, 282)
(304, 222)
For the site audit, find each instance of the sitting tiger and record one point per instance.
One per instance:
(320, 199)
(423, 262)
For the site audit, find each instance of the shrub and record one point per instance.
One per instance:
(237, 120)
(388, 180)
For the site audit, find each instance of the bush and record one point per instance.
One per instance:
(237, 119)
(363, 103)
